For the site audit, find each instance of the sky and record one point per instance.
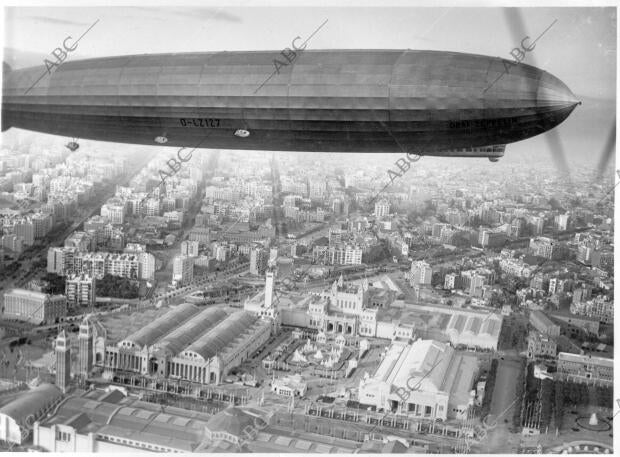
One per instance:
(579, 48)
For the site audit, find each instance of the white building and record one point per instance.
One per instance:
(452, 281)
(221, 252)
(80, 290)
(82, 241)
(600, 307)
(561, 221)
(60, 260)
(151, 207)
(258, 261)
(182, 270)
(34, 307)
(421, 273)
(174, 217)
(586, 369)
(114, 212)
(190, 248)
(147, 266)
(290, 386)
(516, 267)
(352, 255)
(25, 230)
(42, 223)
(426, 379)
(382, 208)
(123, 265)
(99, 264)
(343, 254)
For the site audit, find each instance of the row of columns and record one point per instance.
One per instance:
(338, 327)
(435, 428)
(123, 361)
(418, 409)
(130, 362)
(190, 372)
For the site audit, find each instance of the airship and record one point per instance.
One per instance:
(423, 102)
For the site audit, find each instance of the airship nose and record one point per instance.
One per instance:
(553, 93)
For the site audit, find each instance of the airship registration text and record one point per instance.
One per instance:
(200, 122)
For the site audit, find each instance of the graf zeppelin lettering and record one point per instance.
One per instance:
(208, 122)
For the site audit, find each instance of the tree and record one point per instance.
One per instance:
(116, 287)
(55, 284)
(559, 403)
(583, 396)
(520, 386)
(605, 396)
(576, 393)
(519, 335)
(555, 204)
(576, 201)
(531, 384)
(376, 254)
(546, 395)
(497, 299)
(488, 388)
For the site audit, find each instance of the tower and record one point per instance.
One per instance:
(269, 288)
(269, 308)
(85, 345)
(63, 361)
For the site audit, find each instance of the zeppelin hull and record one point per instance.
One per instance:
(332, 101)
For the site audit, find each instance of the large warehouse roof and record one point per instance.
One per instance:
(218, 338)
(589, 359)
(130, 419)
(475, 325)
(427, 366)
(163, 325)
(189, 332)
(469, 327)
(422, 364)
(492, 327)
(31, 402)
(29, 294)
